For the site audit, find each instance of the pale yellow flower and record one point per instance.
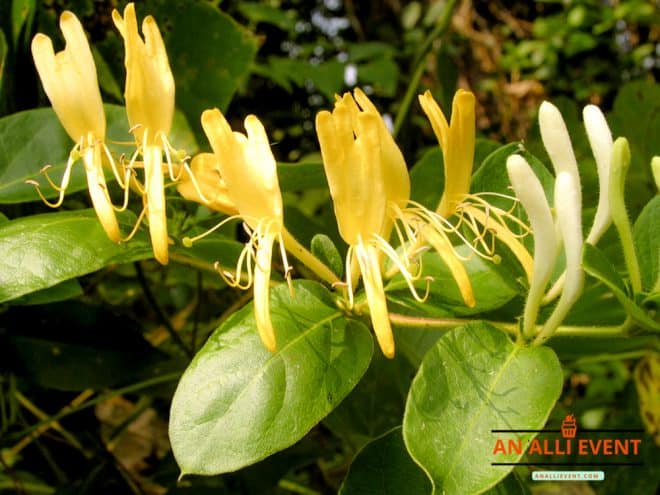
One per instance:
(369, 184)
(457, 142)
(240, 179)
(149, 94)
(69, 80)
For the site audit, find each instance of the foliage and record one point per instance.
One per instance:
(122, 375)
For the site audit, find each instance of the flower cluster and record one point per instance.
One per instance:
(368, 178)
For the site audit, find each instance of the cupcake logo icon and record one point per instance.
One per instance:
(568, 427)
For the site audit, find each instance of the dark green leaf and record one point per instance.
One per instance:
(511, 485)
(647, 244)
(22, 12)
(31, 139)
(636, 116)
(384, 467)
(325, 250)
(42, 250)
(492, 175)
(73, 346)
(597, 265)
(427, 179)
(60, 292)
(376, 405)
(472, 381)
(491, 288)
(238, 399)
(301, 176)
(209, 66)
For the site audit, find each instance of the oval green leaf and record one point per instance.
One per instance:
(384, 467)
(41, 251)
(237, 403)
(472, 381)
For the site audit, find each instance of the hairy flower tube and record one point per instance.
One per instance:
(240, 179)
(530, 192)
(557, 143)
(149, 94)
(369, 183)
(69, 80)
(457, 142)
(568, 207)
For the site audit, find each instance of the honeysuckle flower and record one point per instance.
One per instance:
(530, 192)
(369, 183)
(600, 140)
(557, 143)
(568, 208)
(149, 94)
(70, 82)
(209, 188)
(457, 142)
(240, 179)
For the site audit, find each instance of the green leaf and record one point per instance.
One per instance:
(472, 381)
(258, 12)
(491, 288)
(427, 179)
(41, 251)
(60, 292)
(646, 236)
(636, 115)
(209, 66)
(384, 467)
(31, 139)
(376, 405)
(492, 176)
(325, 250)
(22, 12)
(301, 176)
(598, 266)
(54, 346)
(237, 403)
(511, 485)
(382, 73)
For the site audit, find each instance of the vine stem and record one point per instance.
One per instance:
(510, 328)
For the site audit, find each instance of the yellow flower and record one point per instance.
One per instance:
(457, 142)
(209, 188)
(149, 94)
(69, 80)
(241, 177)
(369, 183)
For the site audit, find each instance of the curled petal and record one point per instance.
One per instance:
(149, 88)
(205, 184)
(367, 258)
(69, 80)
